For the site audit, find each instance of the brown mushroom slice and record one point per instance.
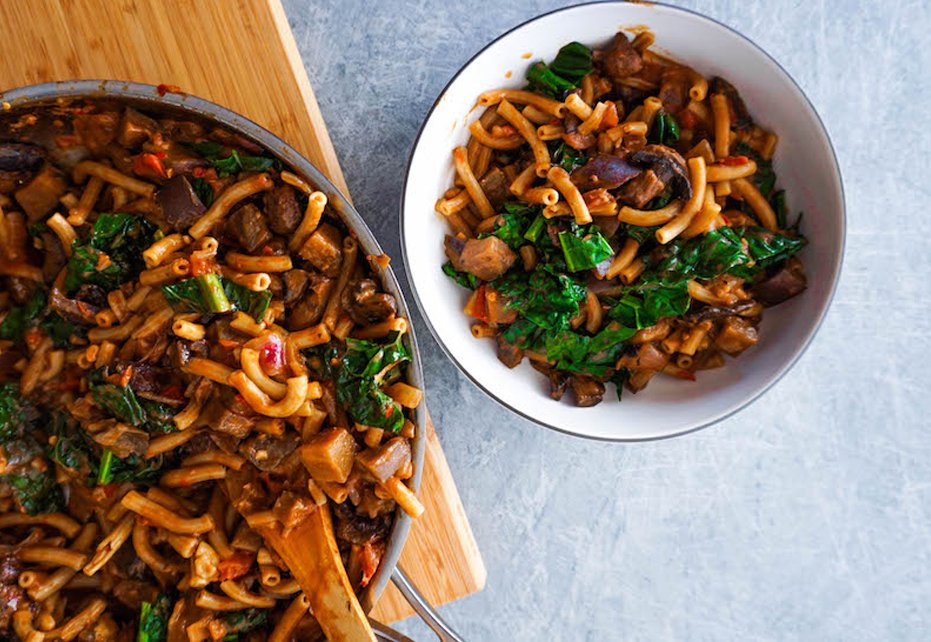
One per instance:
(668, 165)
(603, 171)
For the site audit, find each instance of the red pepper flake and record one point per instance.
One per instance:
(164, 89)
(734, 161)
(161, 155)
(268, 250)
(198, 172)
(389, 410)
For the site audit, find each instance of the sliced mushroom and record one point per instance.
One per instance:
(604, 171)
(668, 165)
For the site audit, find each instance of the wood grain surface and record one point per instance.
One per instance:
(255, 69)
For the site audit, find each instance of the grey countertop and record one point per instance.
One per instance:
(807, 515)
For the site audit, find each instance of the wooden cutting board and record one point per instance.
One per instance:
(240, 54)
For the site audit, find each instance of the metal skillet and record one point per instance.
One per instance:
(147, 97)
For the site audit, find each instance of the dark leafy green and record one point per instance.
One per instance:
(212, 293)
(465, 279)
(584, 247)
(153, 619)
(639, 233)
(546, 81)
(359, 374)
(122, 238)
(566, 156)
(515, 222)
(665, 129)
(118, 401)
(203, 189)
(36, 490)
(594, 355)
(29, 479)
(13, 412)
(765, 177)
(35, 314)
(238, 622)
(232, 163)
(571, 64)
(73, 449)
(547, 299)
(742, 252)
(122, 403)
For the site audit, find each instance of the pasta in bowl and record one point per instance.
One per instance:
(209, 399)
(617, 217)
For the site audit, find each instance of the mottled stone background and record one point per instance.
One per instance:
(806, 516)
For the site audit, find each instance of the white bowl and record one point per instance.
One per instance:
(805, 164)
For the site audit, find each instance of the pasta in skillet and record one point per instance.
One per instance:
(193, 352)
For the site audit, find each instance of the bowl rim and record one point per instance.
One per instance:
(774, 378)
(179, 101)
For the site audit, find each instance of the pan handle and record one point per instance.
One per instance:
(423, 608)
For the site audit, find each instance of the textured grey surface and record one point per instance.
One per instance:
(806, 516)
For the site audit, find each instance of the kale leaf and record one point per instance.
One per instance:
(584, 247)
(243, 621)
(119, 402)
(202, 294)
(465, 279)
(153, 619)
(547, 299)
(565, 156)
(203, 189)
(359, 374)
(115, 245)
(665, 129)
(231, 164)
(571, 64)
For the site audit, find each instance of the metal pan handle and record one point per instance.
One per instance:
(423, 608)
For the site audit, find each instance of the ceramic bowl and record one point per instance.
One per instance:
(804, 161)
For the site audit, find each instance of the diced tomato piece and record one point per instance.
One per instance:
(235, 566)
(369, 559)
(202, 265)
(148, 164)
(610, 118)
(476, 306)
